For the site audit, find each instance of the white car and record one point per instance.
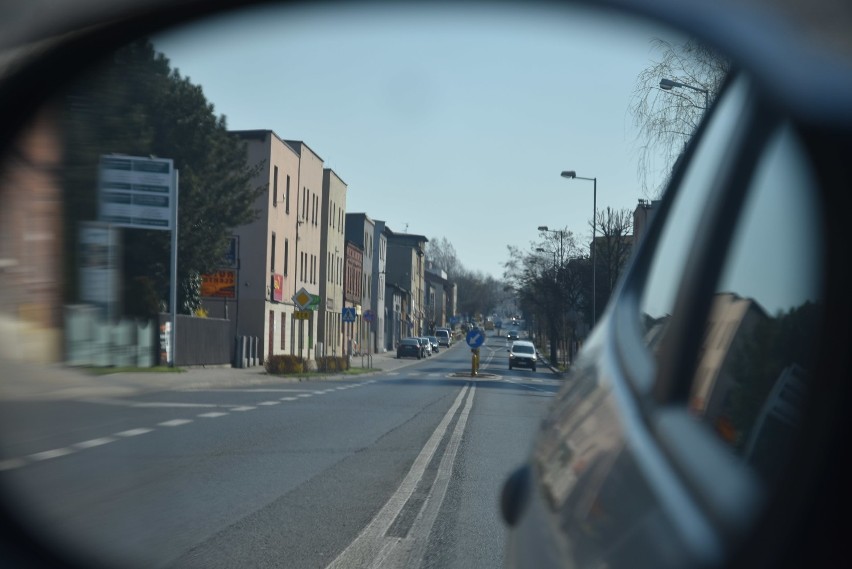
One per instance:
(522, 354)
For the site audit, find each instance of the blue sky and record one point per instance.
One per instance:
(453, 123)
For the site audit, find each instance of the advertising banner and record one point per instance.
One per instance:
(278, 288)
(221, 284)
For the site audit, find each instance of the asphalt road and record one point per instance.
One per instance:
(401, 468)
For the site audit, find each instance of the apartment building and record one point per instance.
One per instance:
(352, 281)
(278, 254)
(308, 245)
(332, 245)
(361, 231)
(406, 268)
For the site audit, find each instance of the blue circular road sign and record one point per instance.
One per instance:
(475, 338)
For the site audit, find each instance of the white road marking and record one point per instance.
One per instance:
(289, 398)
(368, 548)
(148, 404)
(11, 464)
(134, 432)
(174, 423)
(270, 403)
(212, 415)
(48, 454)
(256, 390)
(305, 395)
(410, 550)
(243, 408)
(94, 443)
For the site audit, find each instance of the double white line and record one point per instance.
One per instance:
(373, 548)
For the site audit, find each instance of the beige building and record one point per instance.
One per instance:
(308, 249)
(275, 252)
(332, 245)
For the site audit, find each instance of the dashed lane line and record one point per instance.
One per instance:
(174, 423)
(13, 463)
(48, 454)
(134, 432)
(94, 443)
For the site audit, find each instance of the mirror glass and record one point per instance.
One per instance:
(451, 123)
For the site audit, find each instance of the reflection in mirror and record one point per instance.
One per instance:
(676, 239)
(448, 122)
(755, 363)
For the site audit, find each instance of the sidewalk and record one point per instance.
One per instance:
(47, 382)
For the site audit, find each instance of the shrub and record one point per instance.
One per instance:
(280, 365)
(331, 364)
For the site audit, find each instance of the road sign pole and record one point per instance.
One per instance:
(174, 264)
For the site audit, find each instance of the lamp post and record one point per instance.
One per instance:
(669, 84)
(572, 175)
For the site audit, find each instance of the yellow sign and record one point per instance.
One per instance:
(302, 314)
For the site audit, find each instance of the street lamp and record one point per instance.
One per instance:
(668, 85)
(572, 175)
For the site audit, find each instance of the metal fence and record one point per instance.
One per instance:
(202, 341)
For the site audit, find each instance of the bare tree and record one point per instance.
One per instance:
(667, 119)
(441, 253)
(613, 247)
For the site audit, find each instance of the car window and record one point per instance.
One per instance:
(675, 241)
(755, 363)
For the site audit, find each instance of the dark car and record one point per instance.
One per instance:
(409, 348)
(433, 341)
(522, 354)
(512, 335)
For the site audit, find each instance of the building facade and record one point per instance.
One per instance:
(307, 253)
(333, 244)
(361, 230)
(265, 280)
(406, 268)
(352, 278)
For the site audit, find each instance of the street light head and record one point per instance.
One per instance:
(569, 174)
(542, 228)
(667, 84)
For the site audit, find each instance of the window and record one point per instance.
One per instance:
(272, 255)
(286, 254)
(283, 345)
(754, 366)
(287, 197)
(660, 290)
(275, 187)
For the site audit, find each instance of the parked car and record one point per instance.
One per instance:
(433, 342)
(445, 337)
(427, 345)
(409, 348)
(522, 354)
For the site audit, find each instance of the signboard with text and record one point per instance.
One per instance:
(136, 192)
(221, 284)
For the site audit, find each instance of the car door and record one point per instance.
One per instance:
(691, 427)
